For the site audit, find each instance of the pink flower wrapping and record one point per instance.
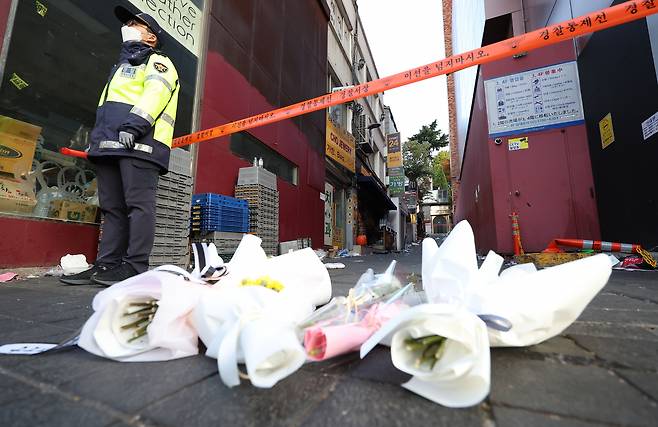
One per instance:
(325, 342)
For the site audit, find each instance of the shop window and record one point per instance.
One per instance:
(248, 147)
(58, 59)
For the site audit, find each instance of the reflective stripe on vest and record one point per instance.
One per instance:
(117, 145)
(161, 80)
(143, 114)
(168, 119)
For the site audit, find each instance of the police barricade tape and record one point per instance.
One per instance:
(586, 24)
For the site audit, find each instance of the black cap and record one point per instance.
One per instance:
(125, 15)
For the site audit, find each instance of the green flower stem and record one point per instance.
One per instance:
(150, 309)
(429, 349)
(144, 317)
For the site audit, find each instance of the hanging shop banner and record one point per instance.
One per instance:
(542, 98)
(181, 19)
(340, 146)
(394, 151)
(396, 185)
(395, 168)
(411, 200)
(328, 214)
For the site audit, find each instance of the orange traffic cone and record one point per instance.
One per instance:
(516, 234)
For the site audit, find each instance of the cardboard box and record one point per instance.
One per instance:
(19, 129)
(18, 141)
(16, 155)
(72, 211)
(16, 195)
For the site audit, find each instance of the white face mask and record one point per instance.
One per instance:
(130, 34)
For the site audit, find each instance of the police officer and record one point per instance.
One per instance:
(130, 146)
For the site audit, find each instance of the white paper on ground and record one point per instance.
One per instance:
(461, 377)
(334, 265)
(539, 304)
(26, 348)
(73, 264)
(170, 335)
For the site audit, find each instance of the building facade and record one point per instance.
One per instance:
(235, 58)
(357, 202)
(568, 167)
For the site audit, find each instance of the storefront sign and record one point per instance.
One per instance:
(180, 18)
(394, 151)
(650, 127)
(607, 131)
(516, 144)
(538, 99)
(340, 146)
(395, 168)
(411, 200)
(396, 185)
(328, 214)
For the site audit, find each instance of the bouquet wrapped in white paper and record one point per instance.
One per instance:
(144, 318)
(302, 273)
(539, 304)
(446, 350)
(254, 325)
(251, 316)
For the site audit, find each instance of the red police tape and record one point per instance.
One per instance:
(596, 21)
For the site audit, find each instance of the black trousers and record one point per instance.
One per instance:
(126, 192)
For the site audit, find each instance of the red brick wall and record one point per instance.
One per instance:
(455, 167)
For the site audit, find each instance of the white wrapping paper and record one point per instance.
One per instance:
(169, 336)
(461, 377)
(301, 272)
(254, 325)
(539, 304)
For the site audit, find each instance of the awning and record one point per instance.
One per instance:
(377, 193)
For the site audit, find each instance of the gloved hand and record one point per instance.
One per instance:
(127, 139)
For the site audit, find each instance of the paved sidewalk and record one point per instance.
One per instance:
(602, 371)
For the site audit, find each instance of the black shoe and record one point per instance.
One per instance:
(84, 277)
(114, 275)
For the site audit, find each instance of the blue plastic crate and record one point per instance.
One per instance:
(229, 227)
(211, 199)
(221, 210)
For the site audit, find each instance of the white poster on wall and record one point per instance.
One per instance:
(650, 127)
(538, 99)
(180, 18)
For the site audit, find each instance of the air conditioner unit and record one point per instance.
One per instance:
(362, 135)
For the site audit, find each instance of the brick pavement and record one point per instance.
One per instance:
(603, 370)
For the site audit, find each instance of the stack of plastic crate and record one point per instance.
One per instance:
(258, 187)
(215, 212)
(226, 242)
(172, 212)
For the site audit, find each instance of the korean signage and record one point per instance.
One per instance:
(411, 200)
(395, 168)
(607, 131)
(396, 185)
(516, 144)
(328, 214)
(340, 146)
(538, 99)
(650, 127)
(181, 19)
